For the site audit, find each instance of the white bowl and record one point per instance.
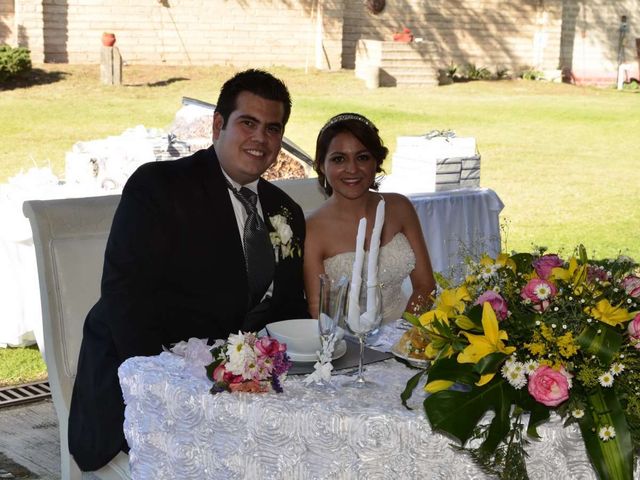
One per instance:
(301, 334)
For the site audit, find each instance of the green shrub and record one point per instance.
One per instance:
(13, 62)
(532, 74)
(477, 73)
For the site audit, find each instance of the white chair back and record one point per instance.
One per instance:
(70, 236)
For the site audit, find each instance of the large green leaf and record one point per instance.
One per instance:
(612, 459)
(603, 345)
(458, 413)
(489, 363)
(501, 423)
(450, 369)
(411, 385)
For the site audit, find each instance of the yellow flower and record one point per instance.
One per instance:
(437, 385)
(451, 301)
(482, 345)
(536, 348)
(607, 313)
(502, 260)
(566, 345)
(547, 333)
(574, 274)
(465, 322)
(428, 317)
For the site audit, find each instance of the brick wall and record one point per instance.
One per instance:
(239, 32)
(582, 35)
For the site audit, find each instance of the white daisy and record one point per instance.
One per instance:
(606, 379)
(530, 367)
(616, 369)
(577, 413)
(542, 291)
(607, 433)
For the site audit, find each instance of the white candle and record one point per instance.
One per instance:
(372, 264)
(356, 278)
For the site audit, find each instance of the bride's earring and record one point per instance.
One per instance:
(325, 183)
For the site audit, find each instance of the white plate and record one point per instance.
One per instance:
(339, 350)
(416, 362)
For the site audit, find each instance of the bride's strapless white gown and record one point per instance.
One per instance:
(395, 263)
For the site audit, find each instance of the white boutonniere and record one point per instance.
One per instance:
(284, 245)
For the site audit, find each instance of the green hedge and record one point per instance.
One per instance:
(13, 62)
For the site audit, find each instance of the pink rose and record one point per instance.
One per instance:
(548, 386)
(545, 264)
(539, 292)
(634, 331)
(222, 375)
(498, 303)
(269, 346)
(631, 285)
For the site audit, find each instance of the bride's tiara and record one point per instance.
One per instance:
(348, 116)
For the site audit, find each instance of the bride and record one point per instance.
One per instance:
(349, 154)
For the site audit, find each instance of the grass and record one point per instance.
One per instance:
(563, 159)
(21, 365)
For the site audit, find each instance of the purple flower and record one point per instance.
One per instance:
(545, 264)
(498, 303)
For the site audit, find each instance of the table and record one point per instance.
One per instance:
(459, 223)
(455, 223)
(177, 429)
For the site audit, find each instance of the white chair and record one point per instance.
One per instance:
(69, 236)
(305, 191)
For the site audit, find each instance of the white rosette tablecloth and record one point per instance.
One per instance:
(177, 429)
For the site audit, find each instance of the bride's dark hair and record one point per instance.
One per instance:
(361, 128)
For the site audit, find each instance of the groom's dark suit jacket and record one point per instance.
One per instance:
(174, 269)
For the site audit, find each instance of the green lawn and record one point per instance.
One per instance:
(563, 159)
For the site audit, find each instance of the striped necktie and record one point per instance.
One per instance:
(258, 251)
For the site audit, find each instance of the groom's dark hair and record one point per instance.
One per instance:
(258, 82)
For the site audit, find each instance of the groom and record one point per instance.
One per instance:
(190, 255)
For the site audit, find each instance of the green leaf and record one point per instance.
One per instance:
(450, 369)
(411, 385)
(501, 423)
(458, 413)
(411, 318)
(442, 280)
(475, 315)
(604, 345)
(489, 363)
(523, 261)
(612, 459)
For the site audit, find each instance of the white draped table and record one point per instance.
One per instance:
(459, 223)
(177, 429)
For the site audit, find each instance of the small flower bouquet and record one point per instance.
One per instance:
(246, 363)
(284, 244)
(533, 333)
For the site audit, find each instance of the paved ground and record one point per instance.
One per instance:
(29, 442)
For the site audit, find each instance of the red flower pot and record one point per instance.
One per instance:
(108, 39)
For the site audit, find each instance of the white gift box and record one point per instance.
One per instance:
(433, 162)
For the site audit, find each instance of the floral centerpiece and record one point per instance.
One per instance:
(246, 363)
(534, 334)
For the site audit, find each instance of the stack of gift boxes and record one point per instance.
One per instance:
(433, 162)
